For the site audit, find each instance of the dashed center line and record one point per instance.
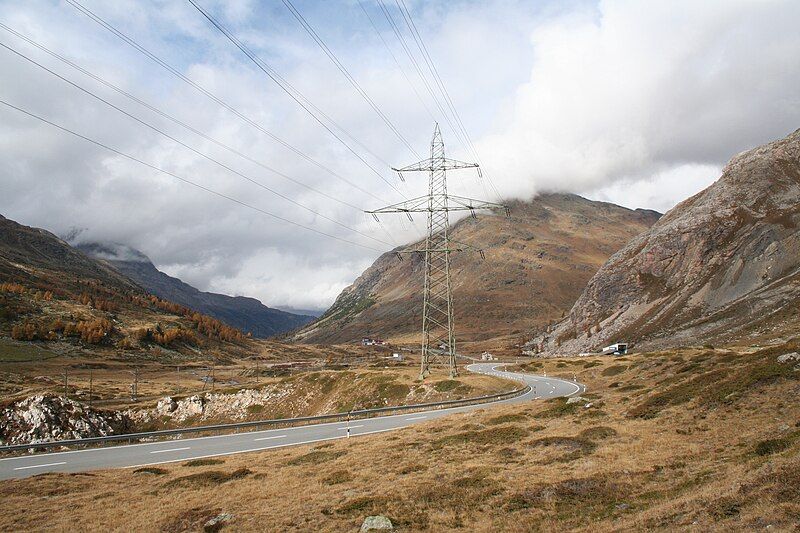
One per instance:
(171, 450)
(353, 427)
(416, 418)
(40, 466)
(270, 438)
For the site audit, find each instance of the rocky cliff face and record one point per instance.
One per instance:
(719, 267)
(246, 314)
(537, 262)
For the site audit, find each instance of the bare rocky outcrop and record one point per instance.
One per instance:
(46, 418)
(235, 406)
(720, 266)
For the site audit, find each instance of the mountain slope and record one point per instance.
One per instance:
(247, 314)
(719, 267)
(53, 293)
(537, 263)
(36, 257)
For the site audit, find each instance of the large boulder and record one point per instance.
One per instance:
(376, 523)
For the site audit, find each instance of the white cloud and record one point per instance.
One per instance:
(628, 90)
(634, 103)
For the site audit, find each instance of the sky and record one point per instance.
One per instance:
(225, 181)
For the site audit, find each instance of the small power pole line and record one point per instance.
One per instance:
(438, 337)
(257, 370)
(66, 384)
(135, 385)
(90, 388)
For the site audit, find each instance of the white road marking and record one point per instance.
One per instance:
(40, 466)
(270, 438)
(353, 427)
(264, 448)
(416, 418)
(172, 450)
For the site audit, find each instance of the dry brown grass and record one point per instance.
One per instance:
(700, 465)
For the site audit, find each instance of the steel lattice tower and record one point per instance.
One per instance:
(438, 338)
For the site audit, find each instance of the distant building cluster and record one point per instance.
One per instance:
(366, 341)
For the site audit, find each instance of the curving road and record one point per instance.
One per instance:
(171, 451)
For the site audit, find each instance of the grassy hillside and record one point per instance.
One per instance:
(537, 263)
(694, 439)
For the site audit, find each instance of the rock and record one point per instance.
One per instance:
(576, 399)
(193, 405)
(789, 357)
(218, 522)
(705, 270)
(166, 405)
(45, 418)
(235, 406)
(622, 506)
(377, 523)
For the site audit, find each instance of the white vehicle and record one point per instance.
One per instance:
(620, 348)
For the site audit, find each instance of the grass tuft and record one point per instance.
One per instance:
(316, 457)
(203, 462)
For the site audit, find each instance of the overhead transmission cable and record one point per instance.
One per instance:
(438, 79)
(144, 51)
(171, 118)
(182, 179)
(418, 70)
(190, 148)
(294, 94)
(335, 60)
(396, 61)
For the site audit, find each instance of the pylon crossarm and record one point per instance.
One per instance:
(415, 205)
(464, 246)
(431, 250)
(429, 165)
(470, 204)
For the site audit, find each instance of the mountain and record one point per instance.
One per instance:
(37, 258)
(537, 262)
(54, 293)
(722, 266)
(246, 314)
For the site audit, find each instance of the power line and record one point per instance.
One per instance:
(170, 117)
(394, 58)
(266, 69)
(324, 47)
(182, 179)
(194, 150)
(210, 95)
(434, 71)
(418, 69)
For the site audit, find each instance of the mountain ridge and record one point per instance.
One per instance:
(243, 312)
(536, 264)
(721, 266)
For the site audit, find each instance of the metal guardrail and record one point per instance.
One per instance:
(274, 422)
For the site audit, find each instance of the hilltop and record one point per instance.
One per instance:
(537, 262)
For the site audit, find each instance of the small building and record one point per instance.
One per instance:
(397, 357)
(486, 356)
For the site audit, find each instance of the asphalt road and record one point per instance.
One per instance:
(184, 449)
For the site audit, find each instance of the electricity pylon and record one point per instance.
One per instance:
(438, 338)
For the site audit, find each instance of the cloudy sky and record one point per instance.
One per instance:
(638, 103)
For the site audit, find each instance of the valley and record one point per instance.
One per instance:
(476, 266)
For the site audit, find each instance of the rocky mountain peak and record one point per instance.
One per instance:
(695, 274)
